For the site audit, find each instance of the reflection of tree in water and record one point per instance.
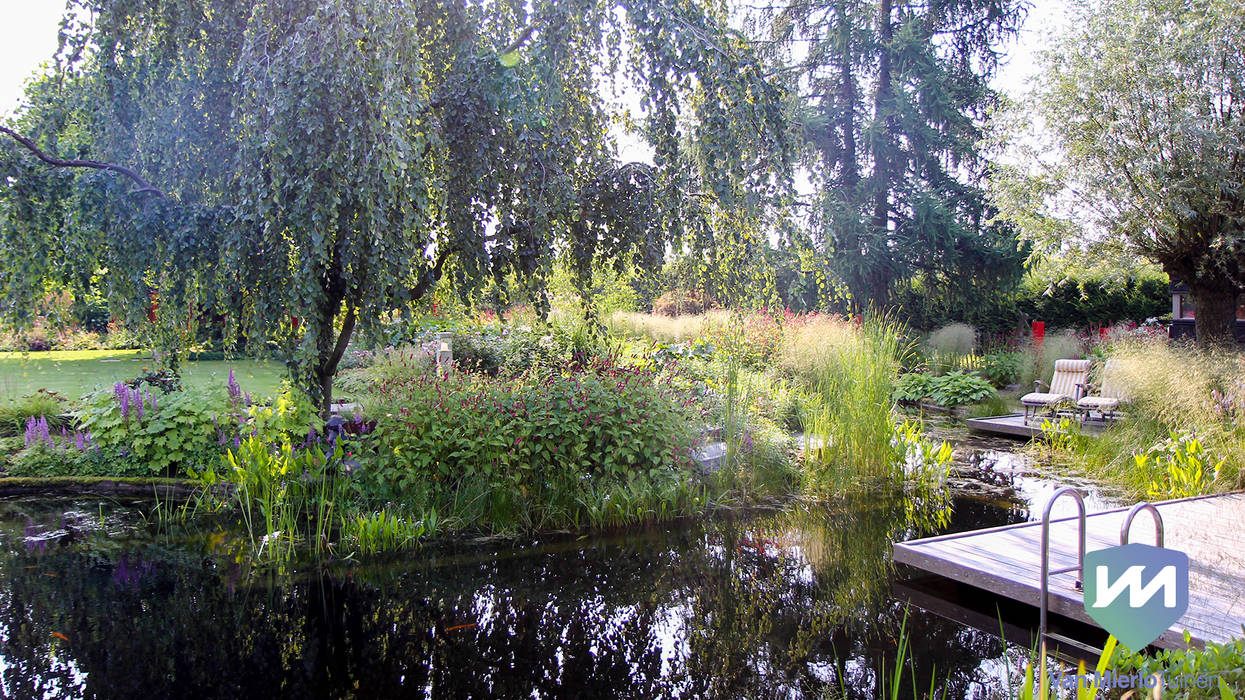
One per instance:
(749, 607)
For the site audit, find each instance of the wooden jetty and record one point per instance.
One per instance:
(1007, 561)
(1013, 425)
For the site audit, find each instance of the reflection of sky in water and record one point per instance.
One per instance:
(1034, 488)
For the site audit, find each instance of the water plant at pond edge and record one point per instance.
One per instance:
(1222, 664)
(849, 422)
(295, 492)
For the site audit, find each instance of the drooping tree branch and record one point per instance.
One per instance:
(144, 187)
(430, 276)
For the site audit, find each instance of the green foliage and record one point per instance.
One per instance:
(290, 417)
(1063, 435)
(318, 165)
(1184, 430)
(958, 388)
(47, 404)
(850, 433)
(899, 174)
(1153, 179)
(1183, 467)
(1082, 303)
(172, 434)
(43, 461)
(1001, 368)
(296, 494)
(955, 388)
(913, 386)
(1224, 663)
(382, 531)
(520, 452)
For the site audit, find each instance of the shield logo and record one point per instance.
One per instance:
(1136, 591)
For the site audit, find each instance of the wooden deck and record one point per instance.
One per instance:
(1013, 425)
(1007, 561)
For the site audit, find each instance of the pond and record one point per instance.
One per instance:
(96, 601)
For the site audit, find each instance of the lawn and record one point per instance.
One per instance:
(74, 372)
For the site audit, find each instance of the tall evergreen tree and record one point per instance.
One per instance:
(894, 95)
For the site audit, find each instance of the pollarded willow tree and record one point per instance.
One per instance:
(893, 95)
(303, 168)
(1145, 101)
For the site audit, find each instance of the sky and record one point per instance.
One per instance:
(28, 38)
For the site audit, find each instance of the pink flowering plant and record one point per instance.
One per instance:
(528, 451)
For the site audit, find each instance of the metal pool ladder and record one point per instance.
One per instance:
(1046, 570)
(1080, 560)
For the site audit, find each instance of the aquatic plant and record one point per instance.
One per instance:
(384, 531)
(296, 494)
(848, 419)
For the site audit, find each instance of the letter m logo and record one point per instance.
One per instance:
(1138, 594)
(1156, 581)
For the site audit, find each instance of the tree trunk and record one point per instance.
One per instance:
(883, 112)
(330, 356)
(1215, 308)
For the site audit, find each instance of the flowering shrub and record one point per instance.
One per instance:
(167, 433)
(527, 443)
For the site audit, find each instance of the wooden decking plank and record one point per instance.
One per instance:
(1006, 560)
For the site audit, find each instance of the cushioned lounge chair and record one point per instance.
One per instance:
(1067, 385)
(1105, 396)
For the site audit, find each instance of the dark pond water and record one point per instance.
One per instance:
(95, 602)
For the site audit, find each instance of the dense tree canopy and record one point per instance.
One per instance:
(893, 96)
(1144, 100)
(304, 167)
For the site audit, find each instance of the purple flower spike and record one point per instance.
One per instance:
(235, 391)
(31, 428)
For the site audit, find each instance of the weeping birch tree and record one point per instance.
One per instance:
(303, 168)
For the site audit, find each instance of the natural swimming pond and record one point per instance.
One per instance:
(97, 602)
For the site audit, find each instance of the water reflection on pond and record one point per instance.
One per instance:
(787, 603)
(794, 603)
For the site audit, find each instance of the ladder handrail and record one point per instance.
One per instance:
(1132, 513)
(1080, 561)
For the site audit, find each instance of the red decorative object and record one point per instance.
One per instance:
(1039, 330)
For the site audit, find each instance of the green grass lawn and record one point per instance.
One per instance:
(75, 372)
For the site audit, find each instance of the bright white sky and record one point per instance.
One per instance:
(28, 38)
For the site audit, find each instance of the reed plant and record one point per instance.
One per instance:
(1037, 358)
(849, 422)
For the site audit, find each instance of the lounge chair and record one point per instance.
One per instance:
(1067, 385)
(1104, 397)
